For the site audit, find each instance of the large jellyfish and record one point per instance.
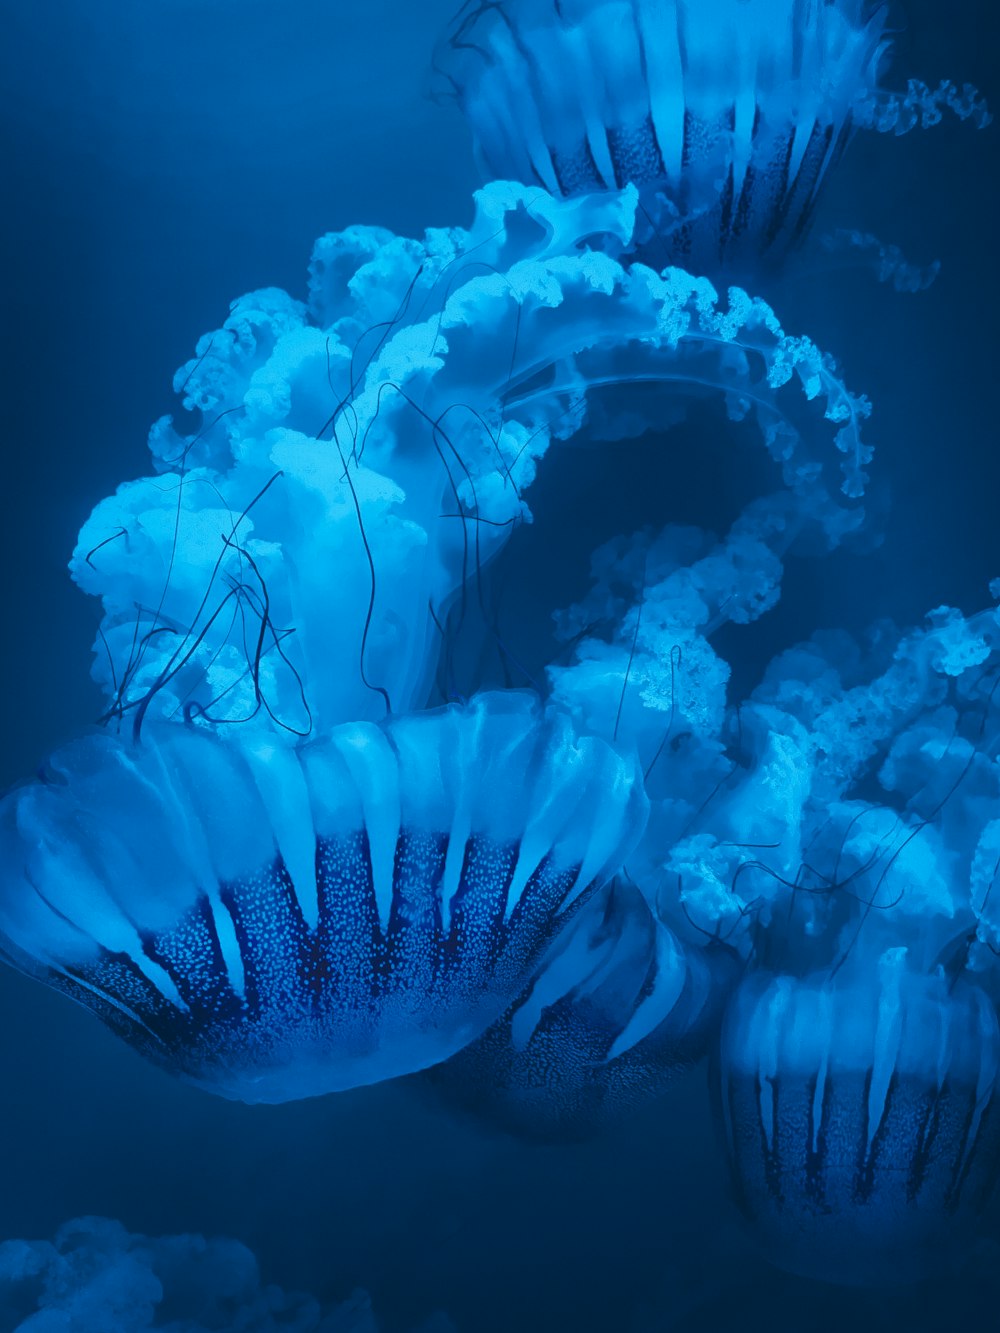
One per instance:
(294, 570)
(274, 923)
(727, 114)
(838, 831)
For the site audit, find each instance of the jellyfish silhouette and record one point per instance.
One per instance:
(727, 114)
(274, 923)
(618, 1012)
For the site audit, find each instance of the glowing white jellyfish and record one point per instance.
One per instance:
(290, 572)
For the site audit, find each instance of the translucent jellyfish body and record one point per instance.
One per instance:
(619, 1011)
(861, 1116)
(361, 456)
(726, 113)
(274, 923)
(859, 1062)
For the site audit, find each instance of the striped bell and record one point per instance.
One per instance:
(727, 114)
(274, 923)
(861, 1118)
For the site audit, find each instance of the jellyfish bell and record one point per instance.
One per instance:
(273, 923)
(860, 1114)
(620, 1009)
(727, 114)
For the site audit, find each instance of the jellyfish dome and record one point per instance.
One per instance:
(619, 1011)
(727, 114)
(274, 923)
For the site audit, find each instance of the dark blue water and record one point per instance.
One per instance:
(159, 159)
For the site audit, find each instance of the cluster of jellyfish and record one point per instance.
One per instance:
(304, 851)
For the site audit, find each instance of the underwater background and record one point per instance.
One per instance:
(159, 159)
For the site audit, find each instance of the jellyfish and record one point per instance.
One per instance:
(619, 1010)
(293, 570)
(633, 995)
(851, 856)
(272, 923)
(728, 114)
(361, 457)
(838, 831)
(861, 1117)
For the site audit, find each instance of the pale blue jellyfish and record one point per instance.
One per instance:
(852, 857)
(727, 114)
(861, 1117)
(838, 831)
(273, 923)
(619, 1010)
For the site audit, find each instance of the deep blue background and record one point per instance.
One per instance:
(159, 158)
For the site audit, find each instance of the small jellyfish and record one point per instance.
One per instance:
(727, 114)
(620, 1010)
(861, 1117)
(859, 1064)
(275, 923)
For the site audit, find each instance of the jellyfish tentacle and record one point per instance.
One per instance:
(363, 458)
(922, 107)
